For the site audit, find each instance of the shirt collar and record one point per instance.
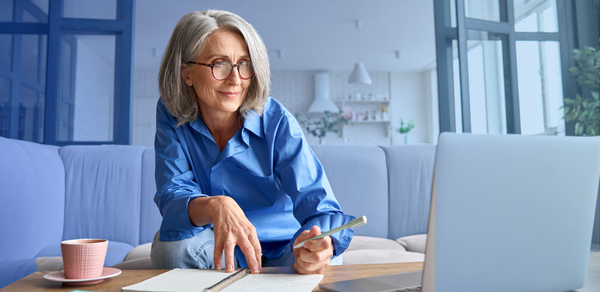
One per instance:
(253, 123)
(200, 127)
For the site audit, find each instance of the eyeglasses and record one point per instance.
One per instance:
(222, 70)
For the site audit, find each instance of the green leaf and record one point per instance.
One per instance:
(595, 95)
(575, 71)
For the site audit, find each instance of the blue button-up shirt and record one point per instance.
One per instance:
(267, 167)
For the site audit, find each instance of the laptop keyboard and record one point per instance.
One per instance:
(409, 289)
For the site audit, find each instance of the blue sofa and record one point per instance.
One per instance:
(51, 193)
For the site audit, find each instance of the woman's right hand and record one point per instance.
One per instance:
(231, 228)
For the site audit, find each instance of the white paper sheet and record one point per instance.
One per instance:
(191, 280)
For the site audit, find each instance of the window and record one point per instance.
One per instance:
(501, 65)
(23, 60)
(89, 100)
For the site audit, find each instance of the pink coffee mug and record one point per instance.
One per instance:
(83, 258)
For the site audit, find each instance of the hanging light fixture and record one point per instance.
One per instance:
(359, 74)
(322, 103)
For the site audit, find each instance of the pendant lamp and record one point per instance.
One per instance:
(359, 74)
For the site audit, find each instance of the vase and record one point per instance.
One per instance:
(404, 138)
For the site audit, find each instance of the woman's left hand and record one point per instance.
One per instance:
(314, 256)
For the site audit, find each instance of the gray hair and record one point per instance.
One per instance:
(187, 42)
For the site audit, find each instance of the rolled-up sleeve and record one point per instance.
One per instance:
(175, 182)
(303, 179)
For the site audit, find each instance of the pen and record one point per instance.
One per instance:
(228, 281)
(352, 224)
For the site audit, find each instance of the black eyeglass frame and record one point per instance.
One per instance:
(212, 69)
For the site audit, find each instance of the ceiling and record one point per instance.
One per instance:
(313, 34)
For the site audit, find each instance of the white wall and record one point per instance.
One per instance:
(295, 90)
(409, 101)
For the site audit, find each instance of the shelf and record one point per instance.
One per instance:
(364, 101)
(367, 122)
(351, 123)
(366, 107)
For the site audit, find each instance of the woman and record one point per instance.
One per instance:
(237, 184)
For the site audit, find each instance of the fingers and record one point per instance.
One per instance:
(224, 247)
(218, 256)
(314, 245)
(307, 234)
(231, 229)
(309, 256)
(307, 267)
(315, 255)
(257, 252)
(303, 236)
(314, 231)
(251, 257)
(229, 256)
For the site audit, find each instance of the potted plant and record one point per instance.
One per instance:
(585, 110)
(320, 126)
(403, 130)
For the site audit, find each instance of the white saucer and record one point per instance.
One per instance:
(60, 277)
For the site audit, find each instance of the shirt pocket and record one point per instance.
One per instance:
(252, 191)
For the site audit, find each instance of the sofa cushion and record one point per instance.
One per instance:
(45, 264)
(367, 242)
(33, 198)
(13, 270)
(414, 243)
(150, 215)
(137, 258)
(376, 256)
(102, 191)
(139, 252)
(137, 264)
(358, 177)
(410, 170)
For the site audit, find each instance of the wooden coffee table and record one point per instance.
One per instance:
(36, 282)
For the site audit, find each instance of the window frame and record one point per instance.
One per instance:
(445, 34)
(56, 28)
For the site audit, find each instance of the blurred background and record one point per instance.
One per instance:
(85, 71)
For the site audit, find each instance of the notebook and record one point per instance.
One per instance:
(508, 213)
(181, 280)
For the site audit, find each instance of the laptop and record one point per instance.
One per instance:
(508, 213)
